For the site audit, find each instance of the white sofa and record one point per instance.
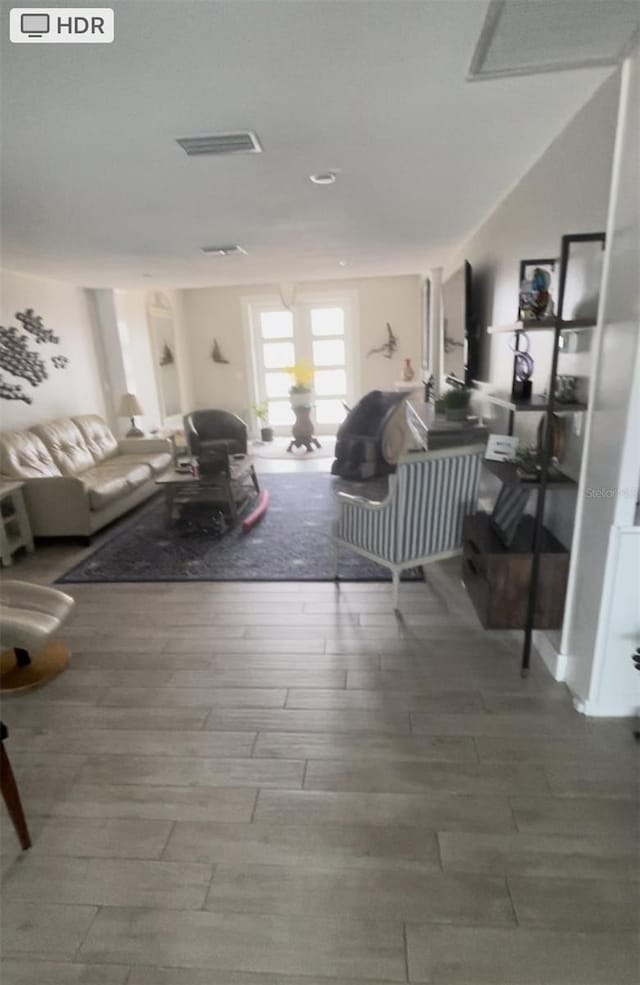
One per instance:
(77, 476)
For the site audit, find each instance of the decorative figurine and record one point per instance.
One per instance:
(408, 372)
(523, 366)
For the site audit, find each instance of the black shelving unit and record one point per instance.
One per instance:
(548, 475)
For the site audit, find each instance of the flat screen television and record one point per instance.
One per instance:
(460, 328)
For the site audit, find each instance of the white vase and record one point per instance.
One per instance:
(304, 399)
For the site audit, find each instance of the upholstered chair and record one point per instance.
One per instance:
(421, 518)
(213, 431)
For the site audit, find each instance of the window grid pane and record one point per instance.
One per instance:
(277, 384)
(330, 412)
(278, 355)
(327, 321)
(276, 325)
(280, 413)
(329, 352)
(330, 382)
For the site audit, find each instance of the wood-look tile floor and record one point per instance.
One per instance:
(283, 784)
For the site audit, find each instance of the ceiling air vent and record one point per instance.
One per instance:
(223, 251)
(237, 142)
(524, 38)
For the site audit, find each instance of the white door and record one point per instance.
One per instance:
(319, 334)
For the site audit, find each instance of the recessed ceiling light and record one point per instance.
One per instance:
(323, 178)
(343, 263)
(223, 251)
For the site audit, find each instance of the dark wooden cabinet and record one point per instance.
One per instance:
(497, 578)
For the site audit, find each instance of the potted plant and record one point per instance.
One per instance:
(454, 403)
(300, 392)
(262, 413)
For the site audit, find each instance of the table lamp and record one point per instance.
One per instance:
(130, 407)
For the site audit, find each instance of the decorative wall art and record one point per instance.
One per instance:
(13, 391)
(216, 354)
(18, 359)
(33, 324)
(166, 358)
(387, 348)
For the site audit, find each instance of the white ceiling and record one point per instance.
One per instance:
(97, 192)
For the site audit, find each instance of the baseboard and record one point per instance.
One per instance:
(624, 708)
(556, 663)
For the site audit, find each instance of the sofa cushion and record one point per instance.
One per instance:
(158, 462)
(113, 479)
(103, 488)
(98, 436)
(23, 455)
(66, 446)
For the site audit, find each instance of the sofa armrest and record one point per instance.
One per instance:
(58, 506)
(143, 446)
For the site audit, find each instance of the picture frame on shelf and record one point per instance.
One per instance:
(528, 295)
(583, 259)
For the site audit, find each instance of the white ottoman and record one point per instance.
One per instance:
(30, 617)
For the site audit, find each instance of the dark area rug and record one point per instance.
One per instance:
(291, 543)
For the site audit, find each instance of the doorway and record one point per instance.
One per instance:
(318, 333)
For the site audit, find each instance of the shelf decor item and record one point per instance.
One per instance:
(408, 372)
(523, 366)
(535, 298)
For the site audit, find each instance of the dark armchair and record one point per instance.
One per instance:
(211, 432)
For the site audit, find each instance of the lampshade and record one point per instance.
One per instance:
(130, 406)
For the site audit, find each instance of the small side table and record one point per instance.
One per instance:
(15, 530)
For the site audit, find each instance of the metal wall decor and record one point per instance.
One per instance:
(18, 359)
(166, 358)
(33, 324)
(387, 348)
(216, 354)
(13, 391)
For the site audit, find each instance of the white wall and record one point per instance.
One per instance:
(64, 309)
(217, 313)
(602, 624)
